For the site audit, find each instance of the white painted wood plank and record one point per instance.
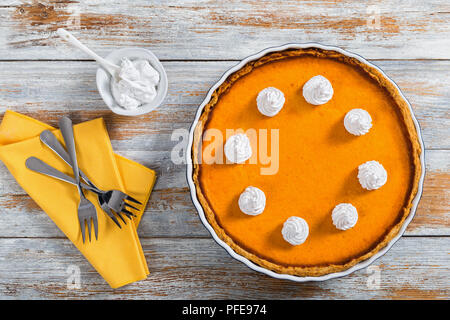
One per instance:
(205, 29)
(201, 269)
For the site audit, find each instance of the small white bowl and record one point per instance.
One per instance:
(104, 81)
(199, 207)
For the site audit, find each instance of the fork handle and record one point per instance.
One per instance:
(65, 125)
(40, 166)
(49, 139)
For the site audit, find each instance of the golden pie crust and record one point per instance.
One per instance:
(318, 268)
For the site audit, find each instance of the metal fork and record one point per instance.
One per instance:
(86, 209)
(112, 199)
(40, 166)
(49, 139)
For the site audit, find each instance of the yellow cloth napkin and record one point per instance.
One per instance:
(117, 255)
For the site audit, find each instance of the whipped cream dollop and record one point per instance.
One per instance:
(136, 84)
(238, 148)
(344, 216)
(372, 175)
(358, 122)
(295, 230)
(252, 201)
(270, 101)
(318, 90)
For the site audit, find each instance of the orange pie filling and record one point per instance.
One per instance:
(317, 163)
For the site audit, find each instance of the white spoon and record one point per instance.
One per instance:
(105, 64)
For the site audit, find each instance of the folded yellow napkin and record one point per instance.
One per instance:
(117, 255)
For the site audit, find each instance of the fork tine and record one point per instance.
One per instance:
(88, 221)
(129, 205)
(120, 216)
(132, 199)
(94, 221)
(112, 216)
(83, 231)
(128, 213)
(115, 220)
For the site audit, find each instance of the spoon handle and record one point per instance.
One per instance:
(110, 67)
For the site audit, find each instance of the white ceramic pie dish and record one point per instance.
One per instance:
(250, 264)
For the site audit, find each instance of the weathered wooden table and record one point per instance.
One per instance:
(197, 41)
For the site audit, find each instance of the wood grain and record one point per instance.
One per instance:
(202, 29)
(200, 269)
(198, 41)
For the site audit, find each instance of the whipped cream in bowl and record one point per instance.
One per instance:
(140, 85)
(136, 84)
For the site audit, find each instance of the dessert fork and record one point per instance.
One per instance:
(40, 166)
(112, 199)
(86, 209)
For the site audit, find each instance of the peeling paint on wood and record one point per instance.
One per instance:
(200, 269)
(178, 29)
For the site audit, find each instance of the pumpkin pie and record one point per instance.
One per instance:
(318, 162)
